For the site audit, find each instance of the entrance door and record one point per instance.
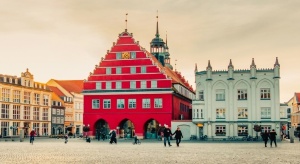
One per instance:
(200, 131)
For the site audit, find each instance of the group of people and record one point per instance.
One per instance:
(271, 135)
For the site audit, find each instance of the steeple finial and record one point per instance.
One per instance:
(196, 68)
(175, 64)
(157, 33)
(230, 64)
(253, 63)
(126, 22)
(209, 66)
(276, 62)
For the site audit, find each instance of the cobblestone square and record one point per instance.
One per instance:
(79, 151)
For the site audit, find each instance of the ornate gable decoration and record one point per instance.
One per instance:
(125, 55)
(27, 74)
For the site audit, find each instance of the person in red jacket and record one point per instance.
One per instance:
(32, 134)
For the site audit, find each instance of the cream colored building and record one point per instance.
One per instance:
(25, 104)
(294, 103)
(73, 102)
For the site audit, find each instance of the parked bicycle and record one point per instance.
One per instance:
(203, 137)
(193, 137)
(136, 141)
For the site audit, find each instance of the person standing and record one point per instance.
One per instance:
(272, 136)
(66, 138)
(167, 134)
(113, 137)
(265, 137)
(178, 136)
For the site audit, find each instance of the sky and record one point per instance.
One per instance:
(64, 40)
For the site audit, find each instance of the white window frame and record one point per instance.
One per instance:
(132, 84)
(95, 103)
(131, 103)
(221, 130)
(16, 112)
(118, 85)
(143, 69)
(108, 71)
(143, 84)
(16, 96)
(153, 84)
(120, 103)
(108, 85)
(146, 103)
(201, 95)
(118, 55)
(265, 112)
(118, 70)
(106, 103)
(133, 55)
(98, 85)
(158, 103)
(26, 113)
(133, 70)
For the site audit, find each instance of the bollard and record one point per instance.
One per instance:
(21, 135)
(292, 134)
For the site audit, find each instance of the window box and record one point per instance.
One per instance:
(242, 134)
(220, 133)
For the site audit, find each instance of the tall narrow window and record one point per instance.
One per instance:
(27, 97)
(106, 104)
(120, 103)
(118, 85)
(201, 113)
(5, 94)
(133, 55)
(16, 112)
(220, 95)
(46, 100)
(118, 55)
(131, 103)
(98, 85)
(158, 103)
(36, 99)
(132, 70)
(16, 96)
(108, 85)
(201, 95)
(108, 71)
(36, 113)
(143, 69)
(143, 84)
(146, 103)
(26, 112)
(5, 111)
(132, 84)
(45, 114)
(153, 84)
(118, 70)
(95, 104)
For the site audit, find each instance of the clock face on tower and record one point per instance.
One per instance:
(125, 55)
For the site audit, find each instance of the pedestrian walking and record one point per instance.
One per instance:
(32, 134)
(265, 137)
(66, 138)
(178, 136)
(167, 134)
(113, 137)
(272, 137)
(299, 135)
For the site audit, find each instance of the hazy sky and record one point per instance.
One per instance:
(66, 39)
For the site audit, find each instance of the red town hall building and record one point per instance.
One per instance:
(135, 92)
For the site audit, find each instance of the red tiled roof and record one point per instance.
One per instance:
(297, 97)
(56, 91)
(71, 85)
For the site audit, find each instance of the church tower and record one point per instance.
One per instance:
(157, 46)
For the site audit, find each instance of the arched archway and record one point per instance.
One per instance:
(152, 129)
(101, 127)
(126, 129)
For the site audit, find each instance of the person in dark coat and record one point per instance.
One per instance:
(272, 137)
(113, 137)
(178, 136)
(167, 134)
(265, 137)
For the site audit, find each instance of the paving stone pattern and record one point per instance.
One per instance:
(78, 151)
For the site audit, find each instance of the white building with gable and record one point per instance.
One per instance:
(231, 102)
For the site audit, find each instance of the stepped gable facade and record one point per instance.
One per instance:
(133, 92)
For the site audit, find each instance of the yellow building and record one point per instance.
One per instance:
(25, 104)
(70, 93)
(295, 112)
